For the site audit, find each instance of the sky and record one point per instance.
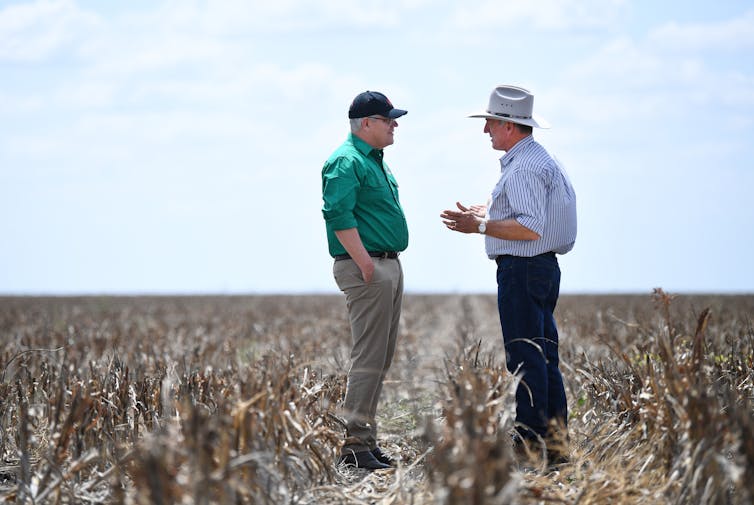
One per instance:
(176, 147)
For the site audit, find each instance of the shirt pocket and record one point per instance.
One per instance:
(378, 186)
(377, 193)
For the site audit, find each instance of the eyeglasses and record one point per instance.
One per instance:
(387, 120)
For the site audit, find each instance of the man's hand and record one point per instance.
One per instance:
(478, 210)
(351, 241)
(464, 220)
(467, 219)
(367, 269)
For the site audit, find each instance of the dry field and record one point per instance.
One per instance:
(199, 400)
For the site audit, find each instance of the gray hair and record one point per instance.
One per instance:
(355, 124)
(522, 128)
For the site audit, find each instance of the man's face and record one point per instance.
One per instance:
(379, 130)
(500, 132)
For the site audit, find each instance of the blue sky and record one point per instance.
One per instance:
(176, 146)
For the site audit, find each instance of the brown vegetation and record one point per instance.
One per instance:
(202, 400)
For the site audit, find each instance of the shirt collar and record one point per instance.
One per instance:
(363, 147)
(520, 146)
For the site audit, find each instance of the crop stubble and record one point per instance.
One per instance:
(235, 400)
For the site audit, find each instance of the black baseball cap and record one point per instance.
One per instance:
(373, 103)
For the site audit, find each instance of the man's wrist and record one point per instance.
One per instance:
(482, 227)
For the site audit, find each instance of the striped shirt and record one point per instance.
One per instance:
(535, 191)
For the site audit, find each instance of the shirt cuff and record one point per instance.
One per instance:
(342, 222)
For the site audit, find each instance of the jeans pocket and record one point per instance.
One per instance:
(539, 281)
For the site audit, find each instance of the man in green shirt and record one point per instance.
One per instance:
(366, 229)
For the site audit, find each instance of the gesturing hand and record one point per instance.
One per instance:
(464, 220)
(479, 211)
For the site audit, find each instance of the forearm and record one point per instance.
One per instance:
(351, 241)
(467, 220)
(510, 229)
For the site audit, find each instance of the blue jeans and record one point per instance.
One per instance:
(528, 290)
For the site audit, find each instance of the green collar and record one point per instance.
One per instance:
(362, 146)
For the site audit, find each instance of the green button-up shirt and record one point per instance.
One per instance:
(359, 191)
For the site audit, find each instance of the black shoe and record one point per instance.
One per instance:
(362, 459)
(556, 459)
(382, 457)
(527, 453)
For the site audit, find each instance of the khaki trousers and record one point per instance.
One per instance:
(374, 312)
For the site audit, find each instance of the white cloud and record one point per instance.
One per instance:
(14, 104)
(85, 94)
(136, 46)
(30, 32)
(240, 17)
(544, 14)
(664, 77)
(169, 55)
(735, 35)
(621, 61)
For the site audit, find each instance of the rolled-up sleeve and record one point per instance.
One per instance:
(527, 193)
(340, 187)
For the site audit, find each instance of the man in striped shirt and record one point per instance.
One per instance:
(530, 217)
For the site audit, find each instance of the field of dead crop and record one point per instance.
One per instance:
(199, 400)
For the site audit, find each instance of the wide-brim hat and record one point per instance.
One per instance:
(512, 104)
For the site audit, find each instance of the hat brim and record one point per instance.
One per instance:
(396, 113)
(535, 121)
